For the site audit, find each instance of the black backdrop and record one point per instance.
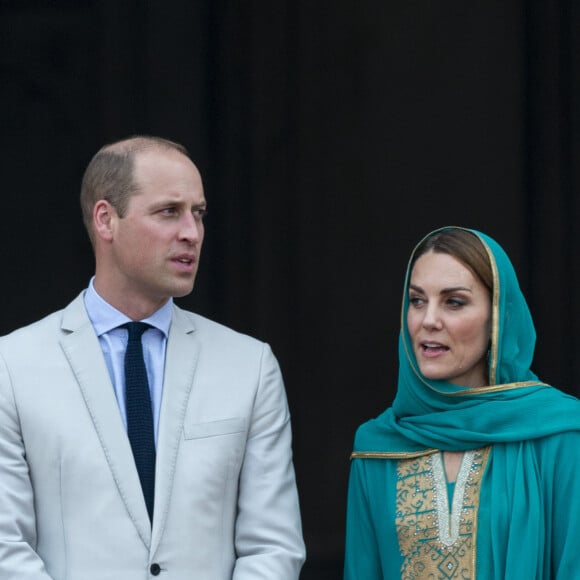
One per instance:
(331, 136)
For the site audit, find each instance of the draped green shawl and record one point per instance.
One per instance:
(516, 407)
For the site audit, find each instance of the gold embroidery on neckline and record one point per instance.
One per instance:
(434, 542)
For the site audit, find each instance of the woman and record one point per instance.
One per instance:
(474, 472)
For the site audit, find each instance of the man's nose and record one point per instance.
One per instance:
(191, 228)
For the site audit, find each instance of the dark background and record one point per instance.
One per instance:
(331, 136)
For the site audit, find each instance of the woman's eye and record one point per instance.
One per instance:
(456, 302)
(415, 301)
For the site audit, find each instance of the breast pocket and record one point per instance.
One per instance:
(214, 450)
(215, 428)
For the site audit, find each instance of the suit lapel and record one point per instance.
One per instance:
(180, 363)
(81, 347)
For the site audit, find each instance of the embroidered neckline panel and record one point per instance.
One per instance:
(437, 542)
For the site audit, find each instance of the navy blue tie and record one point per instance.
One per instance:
(139, 412)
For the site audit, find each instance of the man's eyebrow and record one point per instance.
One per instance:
(169, 200)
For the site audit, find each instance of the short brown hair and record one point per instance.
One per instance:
(462, 245)
(109, 175)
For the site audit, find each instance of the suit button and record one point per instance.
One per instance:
(155, 569)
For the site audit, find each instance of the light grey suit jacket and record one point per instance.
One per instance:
(71, 506)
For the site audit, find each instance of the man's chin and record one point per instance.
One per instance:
(182, 290)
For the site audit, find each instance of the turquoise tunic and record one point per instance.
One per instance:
(519, 511)
(372, 545)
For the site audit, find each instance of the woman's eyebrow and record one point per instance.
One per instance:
(449, 290)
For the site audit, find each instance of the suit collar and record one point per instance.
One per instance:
(181, 360)
(75, 315)
(83, 352)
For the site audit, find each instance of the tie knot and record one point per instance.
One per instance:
(136, 329)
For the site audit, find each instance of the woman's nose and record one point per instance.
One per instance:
(432, 318)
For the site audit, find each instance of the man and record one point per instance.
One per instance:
(196, 483)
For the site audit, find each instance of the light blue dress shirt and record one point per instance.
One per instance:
(113, 340)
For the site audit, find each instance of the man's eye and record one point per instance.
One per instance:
(200, 213)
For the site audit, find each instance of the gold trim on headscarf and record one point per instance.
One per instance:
(494, 313)
(496, 388)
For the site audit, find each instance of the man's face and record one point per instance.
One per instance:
(156, 245)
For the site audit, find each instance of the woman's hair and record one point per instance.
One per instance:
(462, 245)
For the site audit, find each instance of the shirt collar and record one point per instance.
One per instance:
(105, 317)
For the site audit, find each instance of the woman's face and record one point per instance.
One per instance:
(449, 320)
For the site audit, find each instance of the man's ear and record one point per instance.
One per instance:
(104, 218)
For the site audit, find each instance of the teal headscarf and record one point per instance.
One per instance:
(510, 413)
(515, 406)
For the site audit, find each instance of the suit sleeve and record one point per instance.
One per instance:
(268, 534)
(18, 559)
